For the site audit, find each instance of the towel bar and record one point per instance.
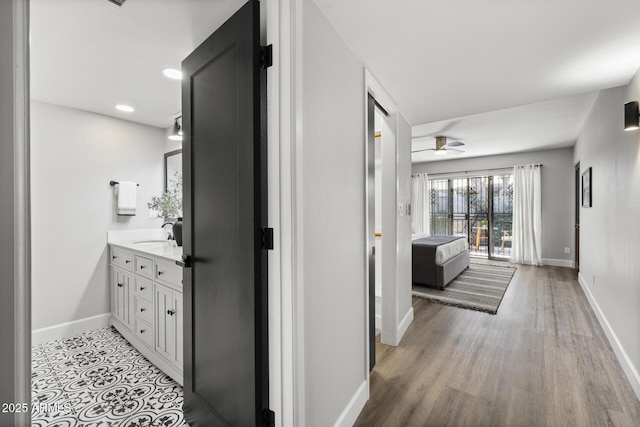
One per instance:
(112, 183)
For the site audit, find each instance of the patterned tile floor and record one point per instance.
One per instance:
(98, 379)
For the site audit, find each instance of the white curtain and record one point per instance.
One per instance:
(527, 213)
(419, 203)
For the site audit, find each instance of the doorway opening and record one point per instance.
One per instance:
(127, 151)
(380, 221)
(377, 221)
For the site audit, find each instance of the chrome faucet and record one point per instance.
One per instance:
(169, 235)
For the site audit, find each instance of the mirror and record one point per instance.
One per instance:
(173, 175)
(172, 168)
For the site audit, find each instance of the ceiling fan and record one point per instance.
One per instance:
(444, 147)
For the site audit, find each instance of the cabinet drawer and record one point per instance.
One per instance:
(144, 331)
(144, 309)
(122, 258)
(169, 272)
(144, 289)
(144, 266)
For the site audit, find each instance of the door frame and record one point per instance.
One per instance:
(284, 93)
(576, 206)
(283, 19)
(284, 135)
(16, 262)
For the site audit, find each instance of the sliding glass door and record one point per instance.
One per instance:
(479, 216)
(439, 207)
(460, 207)
(479, 208)
(502, 215)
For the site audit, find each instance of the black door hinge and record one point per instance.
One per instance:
(267, 238)
(266, 59)
(269, 418)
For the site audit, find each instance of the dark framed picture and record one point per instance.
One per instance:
(586, 188)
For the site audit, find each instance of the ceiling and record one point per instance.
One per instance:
(530, 127)
(499, 75)
(443, 60)
(92, 55)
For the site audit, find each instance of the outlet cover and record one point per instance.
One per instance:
(567, 250)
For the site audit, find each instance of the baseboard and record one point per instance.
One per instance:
(348, 417)
(627, 365)
(404, 325)
(559, 262)
(69, 329)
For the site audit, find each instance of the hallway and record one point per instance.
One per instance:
(543, 360)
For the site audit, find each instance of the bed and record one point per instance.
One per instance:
(437, 260)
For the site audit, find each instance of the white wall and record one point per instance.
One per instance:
(74, 155)
(609, 233)
(557, 193)
(333, 221)
(403, 246)
(396, 229)
(389, 239)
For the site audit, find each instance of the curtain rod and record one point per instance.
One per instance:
(477, 170)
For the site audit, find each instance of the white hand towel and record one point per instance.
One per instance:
(127, 198)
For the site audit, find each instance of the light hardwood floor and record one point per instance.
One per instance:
(543, 360)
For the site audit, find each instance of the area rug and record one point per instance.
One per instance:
(480, 287)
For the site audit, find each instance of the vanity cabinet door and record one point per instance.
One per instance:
(165, 329)
(122, 296)
(179, 346)
(169, 325)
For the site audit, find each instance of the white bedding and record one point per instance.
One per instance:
(447, 251)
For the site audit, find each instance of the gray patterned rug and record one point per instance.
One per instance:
(480, 287)
(99, 379)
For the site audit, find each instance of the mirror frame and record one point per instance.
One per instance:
(166, 163)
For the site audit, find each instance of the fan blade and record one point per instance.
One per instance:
(454, 152)
(426, 149)
(454, 144)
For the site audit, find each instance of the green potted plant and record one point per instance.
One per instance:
(169, 205)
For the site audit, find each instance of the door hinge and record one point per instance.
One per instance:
(266, 58)
(267, 238)
(269, 418)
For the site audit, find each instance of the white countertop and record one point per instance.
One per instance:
(165, 249)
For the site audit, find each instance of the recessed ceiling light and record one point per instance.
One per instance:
(125, 108)
(172, 73)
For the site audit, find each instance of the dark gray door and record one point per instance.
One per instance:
(225, 287)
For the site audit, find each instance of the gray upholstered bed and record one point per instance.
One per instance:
(435, 267)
